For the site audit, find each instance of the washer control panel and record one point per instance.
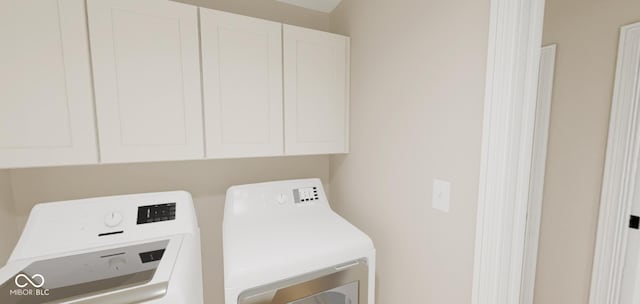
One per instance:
(66, 226)
(113, 219)
(156, 213)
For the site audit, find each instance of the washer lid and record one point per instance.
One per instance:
(92, 274)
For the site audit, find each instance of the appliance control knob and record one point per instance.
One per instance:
(281, 199)
(117, 264)
(113, 219)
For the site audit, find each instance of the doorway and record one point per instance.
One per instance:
(616, 273)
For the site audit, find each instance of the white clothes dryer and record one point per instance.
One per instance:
(284, 245)
(142, 248)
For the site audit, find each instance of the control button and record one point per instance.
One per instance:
(282, 199)
(113, 219)
(117, 263)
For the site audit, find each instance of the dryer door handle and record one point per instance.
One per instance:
(345, 266)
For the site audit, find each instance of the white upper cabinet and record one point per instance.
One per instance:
(316, 91)
(112, 81)
(242, 79)
(46, 98)
(146, 65)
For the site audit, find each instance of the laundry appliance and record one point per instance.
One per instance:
(283, 244)
(141, 248)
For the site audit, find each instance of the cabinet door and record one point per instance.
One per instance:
(316, 91)
(146, 67)
(242, 78)
(46, 98)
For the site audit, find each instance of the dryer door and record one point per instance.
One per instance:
(346, 294)
(343, 284)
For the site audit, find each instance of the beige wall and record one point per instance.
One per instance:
(8, 229)
(587, 36)
(207, 181)
(417, 92)
(270, 10)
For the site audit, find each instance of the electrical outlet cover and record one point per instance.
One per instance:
(441, 195)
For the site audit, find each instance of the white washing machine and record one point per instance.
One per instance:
(142, 248)
(284, 245)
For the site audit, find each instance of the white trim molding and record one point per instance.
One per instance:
(621, 166)
(515, 36)
(538, 165)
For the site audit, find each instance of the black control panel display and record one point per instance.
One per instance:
(156, 213)
(151, 256)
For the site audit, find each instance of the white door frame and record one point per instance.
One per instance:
(538, 165)
(621, 165)
(515, 37)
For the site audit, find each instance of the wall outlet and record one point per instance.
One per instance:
(441, 194)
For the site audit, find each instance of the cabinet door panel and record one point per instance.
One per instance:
(147, 79)
(46, 100)
(316, 88)
(242, 73)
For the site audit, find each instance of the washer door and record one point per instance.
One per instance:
(84, 275)
(344, 284)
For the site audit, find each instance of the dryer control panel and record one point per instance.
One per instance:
(305, 195)
(273, 198)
